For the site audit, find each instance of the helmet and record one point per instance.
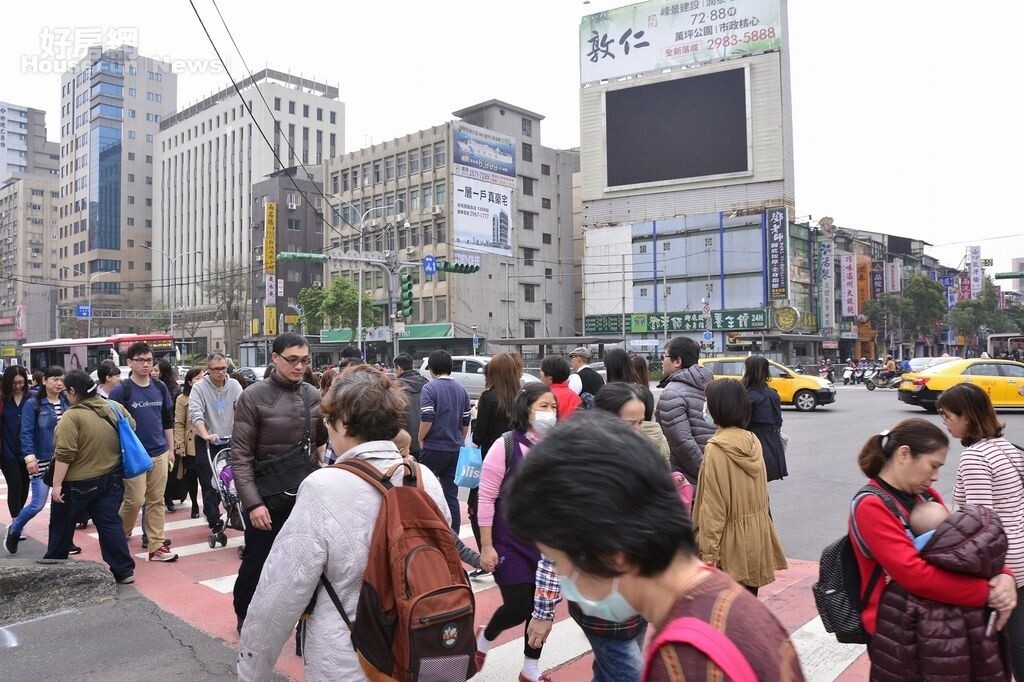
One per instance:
(849, 359)
(863, 359)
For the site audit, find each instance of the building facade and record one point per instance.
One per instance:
(523, 242)
(112, 103)
(23, 145)
(210, 155)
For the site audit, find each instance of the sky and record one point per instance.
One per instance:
(907, 115)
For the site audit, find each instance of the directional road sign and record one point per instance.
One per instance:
(430, 265)
(83, 310)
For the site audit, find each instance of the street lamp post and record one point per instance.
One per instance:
(94, 276)
(172, 260)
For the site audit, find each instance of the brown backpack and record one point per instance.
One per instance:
(414, 618)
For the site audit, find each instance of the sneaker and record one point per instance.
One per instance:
(75, 549)
(163, 554)
(145, 542)
(479, 573)
(127, 580)
(171, 508)
(195, 511)
(542, 678)
(11, 542)
(480, 656)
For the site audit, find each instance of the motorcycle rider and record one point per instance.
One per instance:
(848, 371)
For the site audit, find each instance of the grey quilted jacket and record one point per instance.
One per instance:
(680, 412)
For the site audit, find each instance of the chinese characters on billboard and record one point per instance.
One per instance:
(974, 262)
(848, 284)
(651, 36)
(827, 269)
(483, 182)
(777, 252)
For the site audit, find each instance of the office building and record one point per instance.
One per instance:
(481, 190)
(23, 145)
(209, 156)
(112, 102)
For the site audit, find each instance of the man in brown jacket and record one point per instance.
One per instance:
(271, 420)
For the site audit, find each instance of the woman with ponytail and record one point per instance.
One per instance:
(902, 464)
(87, 475)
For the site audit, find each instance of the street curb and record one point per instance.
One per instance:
(34, 589)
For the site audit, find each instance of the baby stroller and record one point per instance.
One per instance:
(224, 481)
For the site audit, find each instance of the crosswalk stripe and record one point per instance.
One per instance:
(565, 642)
(199, 548)
(224, 584)
(821, 658)
(170, 525)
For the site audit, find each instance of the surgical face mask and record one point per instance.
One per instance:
(543, 421)
(707, 415)
(612, 608)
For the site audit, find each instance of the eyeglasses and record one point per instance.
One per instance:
(217, 369)
(142, 361)
(296, 361)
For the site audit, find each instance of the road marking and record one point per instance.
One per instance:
(822, 658)
(170, 525)
(225, 585)
(199, 548)
(565, 643)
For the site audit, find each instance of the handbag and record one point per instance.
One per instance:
(785, 440)
(467, 472)
(278, 478)
(135, 461)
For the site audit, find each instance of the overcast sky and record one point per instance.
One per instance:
(907, 115)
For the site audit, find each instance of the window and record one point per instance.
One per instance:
(527, 186)
(131, 92)
(131, 156)
(131, 177)
(440, 194)
(319, 113)
(414, 200)
(334, 117)
(428, 235)
(439, 158)
(527, 151)
(131, 221)
(305, 111)
(530, 293)
(528, 255)
(376, 172)
(294, 224)
(294, 275)
(643, 248)
(336, 182)
(291, 107)
(545, 238)
(131, 199)
(545, 169)
(439, 229)
(402, 165)
(426, 158)
(149, 158)
(427, 196)
(545, 202)
(131, 113)
(527, 127)
(548, 273)
(528, 220)
(530, 326)
(149, 137)
(277, 104)
(549, 308)
(389, 168)
(149, 180)
(414, 162)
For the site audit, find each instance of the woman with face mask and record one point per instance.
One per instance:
(512, 561)
(730, 513)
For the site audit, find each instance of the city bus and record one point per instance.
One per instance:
(1001, 344)
(89, 353)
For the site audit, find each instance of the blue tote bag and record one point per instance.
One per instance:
(134, 458)
(467, 472)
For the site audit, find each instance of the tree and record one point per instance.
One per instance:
(190, 321)
(981, 316)
(915, 311)
(335, 307)
(227, 286)
(311, 299)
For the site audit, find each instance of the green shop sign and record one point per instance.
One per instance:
(644, 323)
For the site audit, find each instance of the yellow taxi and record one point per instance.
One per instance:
(801, 391)
(1003, 380)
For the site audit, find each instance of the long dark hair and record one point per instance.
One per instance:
(168, 376)
(756, 372)
(920, 435)
(7, 383)
(502, 376)
(972, 402)
(619, 368)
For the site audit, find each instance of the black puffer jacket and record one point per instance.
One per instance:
(680, 412)
(413, 383)
(921, 639)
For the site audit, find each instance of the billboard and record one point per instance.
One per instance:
(848, 284)
(653, 136)
(483, 183)
(974, 263)
(270, 238)
(777, 253)
(652, 36)
(827, 277)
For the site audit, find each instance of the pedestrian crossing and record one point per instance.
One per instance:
(198, 589)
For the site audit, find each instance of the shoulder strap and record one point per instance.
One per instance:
(126, 391)
(336, 599)
(510, 450)
(382, 482)
(709, 641)
(117, 417)
(309, 417)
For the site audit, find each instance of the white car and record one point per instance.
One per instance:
(468, 370)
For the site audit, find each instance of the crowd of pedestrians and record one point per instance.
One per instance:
(582, 496)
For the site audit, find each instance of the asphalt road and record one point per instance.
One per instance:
(810, 507)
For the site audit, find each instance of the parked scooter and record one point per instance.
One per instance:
(847, 375)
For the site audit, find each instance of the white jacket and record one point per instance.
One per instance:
(328, 532)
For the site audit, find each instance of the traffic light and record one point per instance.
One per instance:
(460, 268)
(405, 303)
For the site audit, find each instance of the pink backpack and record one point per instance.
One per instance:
(685, 490)
(708, 640)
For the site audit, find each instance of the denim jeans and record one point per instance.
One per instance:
(444, 464)
(617, 660)
(101, 497)
(39, 492)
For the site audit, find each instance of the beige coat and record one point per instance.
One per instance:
(734, 531)
(653, 431)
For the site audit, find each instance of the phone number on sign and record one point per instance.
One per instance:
(748, 37)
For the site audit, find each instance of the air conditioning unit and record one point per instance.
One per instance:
(436, 210)
(410, 251)
(291, 206)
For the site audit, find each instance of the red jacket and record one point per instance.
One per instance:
(567, 400)
(887, 540)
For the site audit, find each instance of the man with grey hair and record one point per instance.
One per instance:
(584, 381)
(211, 410)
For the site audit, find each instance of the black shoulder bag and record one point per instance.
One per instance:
(278, 478)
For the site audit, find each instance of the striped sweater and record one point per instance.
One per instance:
(991, 473)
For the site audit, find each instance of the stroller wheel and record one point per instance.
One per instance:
(212, 541)
(223, 540)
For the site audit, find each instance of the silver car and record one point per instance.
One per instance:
(468, 370)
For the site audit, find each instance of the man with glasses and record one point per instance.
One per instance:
(211, 410)
(150, 404)
(272, 418)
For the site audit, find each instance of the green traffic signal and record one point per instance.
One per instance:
(405, 302)
(459, 268)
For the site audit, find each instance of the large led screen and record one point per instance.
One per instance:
(679, 129)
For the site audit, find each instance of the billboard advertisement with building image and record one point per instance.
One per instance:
(483, 184)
